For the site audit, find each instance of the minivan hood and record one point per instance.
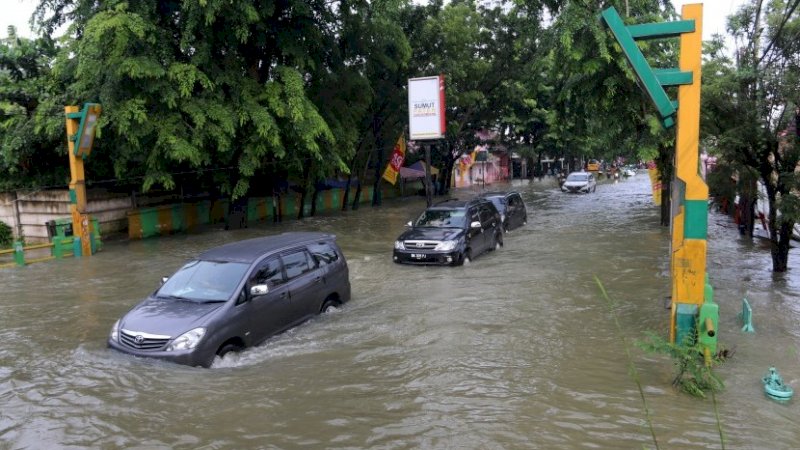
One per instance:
(167, 317)
(431, 234)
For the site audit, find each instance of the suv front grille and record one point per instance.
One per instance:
(420, 245)
(142, 341)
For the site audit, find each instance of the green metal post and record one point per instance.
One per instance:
(58, 247)
(76, 247)
(19, 253)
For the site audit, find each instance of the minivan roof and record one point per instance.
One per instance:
(249, 250)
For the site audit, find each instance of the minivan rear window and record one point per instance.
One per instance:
(323, 253)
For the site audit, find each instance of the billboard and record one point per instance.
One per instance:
(426, 119)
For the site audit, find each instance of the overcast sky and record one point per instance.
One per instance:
(18, 12)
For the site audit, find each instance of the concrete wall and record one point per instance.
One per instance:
(27, 212)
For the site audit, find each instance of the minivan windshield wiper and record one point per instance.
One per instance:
(177, 297)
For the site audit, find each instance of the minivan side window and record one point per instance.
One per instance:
(296, 263)
(269, 272)
(323, 253)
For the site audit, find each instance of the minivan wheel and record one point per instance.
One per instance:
(329, 305)
(227, 348)
(498, 241)
(467, 256)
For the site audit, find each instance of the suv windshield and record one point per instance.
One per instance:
(442, 218)
(204, 281)
(499, 203)
(578, 177)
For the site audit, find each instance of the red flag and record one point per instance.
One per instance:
(396, 161)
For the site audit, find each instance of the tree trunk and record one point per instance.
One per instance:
(376, 191)
(780, 247)
(359, 186)
(346, 195)
(666, 202)
(447, 178)
(314, 198)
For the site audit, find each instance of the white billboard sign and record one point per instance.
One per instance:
(426, 119)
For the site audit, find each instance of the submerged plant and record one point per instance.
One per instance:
(692, 375)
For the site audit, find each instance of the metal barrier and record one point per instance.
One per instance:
(60, 247)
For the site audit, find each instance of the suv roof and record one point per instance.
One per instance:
(454, 203)
(249, 250)
(498, 194)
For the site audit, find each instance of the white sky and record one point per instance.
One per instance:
(18, 12)
(715, 13)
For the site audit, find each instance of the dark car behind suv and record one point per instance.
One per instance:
(450, 232)
(236, 296)
(512, 208)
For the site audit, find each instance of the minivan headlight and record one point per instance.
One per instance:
(115, 332)
(188, 340)
(399, 245)
(446, 246)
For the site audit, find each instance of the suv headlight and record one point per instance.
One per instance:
(446, 246)
(114, 336)
(188, 340)
(399, 245)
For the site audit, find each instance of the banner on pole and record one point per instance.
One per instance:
(395, 161)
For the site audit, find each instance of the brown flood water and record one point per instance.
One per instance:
(517, 350)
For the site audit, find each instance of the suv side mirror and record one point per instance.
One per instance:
(409, 224)
(259, 289)
(164, 280)
(475, 224)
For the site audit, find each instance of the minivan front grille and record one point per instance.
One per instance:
(142, 341)
(420, 245)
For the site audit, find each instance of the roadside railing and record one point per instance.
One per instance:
(59, 247)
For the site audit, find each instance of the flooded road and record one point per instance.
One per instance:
(516, 350)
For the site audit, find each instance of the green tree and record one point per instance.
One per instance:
(214, 88)
(32, 149)
(751, 113)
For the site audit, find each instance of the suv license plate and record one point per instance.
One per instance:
(418, 255)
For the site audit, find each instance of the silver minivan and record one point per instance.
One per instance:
(236, 296)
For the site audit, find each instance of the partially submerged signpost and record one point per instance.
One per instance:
(426, 118)
(694, 313)
(81, 126)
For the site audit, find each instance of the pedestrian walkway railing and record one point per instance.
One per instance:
(60, 247)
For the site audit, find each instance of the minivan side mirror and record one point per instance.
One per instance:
(258, 289)
(475, 224)
(409, 224)
(164, 279)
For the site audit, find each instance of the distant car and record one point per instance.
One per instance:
(450, 232)
(593, 165)
(513, 212)
(579, 182)
(235, 296)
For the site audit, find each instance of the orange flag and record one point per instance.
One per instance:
(396, 161)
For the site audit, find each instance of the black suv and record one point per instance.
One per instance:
(450, 232)
(511, 207)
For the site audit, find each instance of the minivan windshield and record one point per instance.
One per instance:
(442, 218)
(204, 281)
